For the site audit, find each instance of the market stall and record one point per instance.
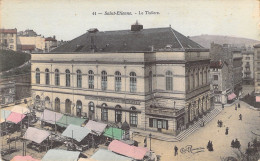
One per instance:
(62, 155)
(134, 152)
(24, 158)
(50, 118)
(97, 129)
(77, 136)
(39, 139)
(106, 155)
(65, 121)
(112, 133)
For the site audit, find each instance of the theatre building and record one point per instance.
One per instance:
(155, 79)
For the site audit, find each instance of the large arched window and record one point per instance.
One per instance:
(90, 79)
(91, 110)
(68, 106)
(118, 113)
(104, 80)
(133, 82)
(169, 81)
(57, 77)
(47, 102)
(57, 104)
(104, 112)
(67, 77)
(79, 79)
(133, 117)
(47, 76)
(37, 76)
(79, 107)
(150, 81)
(117, 81)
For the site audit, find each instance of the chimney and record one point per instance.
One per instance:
(136, 26)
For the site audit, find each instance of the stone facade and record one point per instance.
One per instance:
(248, 66)
(257, 68)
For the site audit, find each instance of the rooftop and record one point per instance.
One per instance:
(9, 31)
(134, 40)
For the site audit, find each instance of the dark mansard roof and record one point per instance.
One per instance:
(140, 40)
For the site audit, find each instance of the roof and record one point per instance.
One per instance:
(24, 158)
(27, 47)
(66, 120)
(146, 40)
(4, 115)
(20, 109)
(257, 46)
(216, 64)
(61, 155)
(114, 133)
(86, 159)
(106, 155)
(15, 117)
(50, 39)
(96, 127)
(9, 31)
(50, 116)
(36, 135)
(76, 132)
(127, 150)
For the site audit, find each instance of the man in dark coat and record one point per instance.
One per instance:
(175, 150)
(226, 131)
(145, 141)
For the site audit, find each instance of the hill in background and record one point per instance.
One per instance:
(206, 40)
(12, 59)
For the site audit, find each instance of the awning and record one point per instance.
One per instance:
(61, 155)
(15, 117)
(231, 96)
(51, 116)
(127, 150)
(96, 128)
(4, 115)
(86, 159)
(76, 132)
(257, 98)
(24, 158)
(114, 133)
(66, 120)
(106, 155)
(36, 135)
(20, 109)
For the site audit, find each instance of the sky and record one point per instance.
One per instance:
(68, 19)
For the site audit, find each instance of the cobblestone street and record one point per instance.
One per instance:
(221, 142)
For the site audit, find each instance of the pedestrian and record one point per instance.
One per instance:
(238, 105)
(208, 146)
(240, 117)
(248, 144)
(218, 123)
(175, 150)
(211, 146)
(222, 106)
(226, 131)
(232, 143)
(145, 141)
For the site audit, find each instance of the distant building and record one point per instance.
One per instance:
(221, 74)
(7, 92)
(237, 70)
(27, 33)
(8, 39)
(24, 42)
(257, 69)
(50, 43)
(248, 66)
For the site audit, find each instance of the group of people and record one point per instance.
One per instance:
(235, 144)
(237, 106)
(220, 123)
(210, 146)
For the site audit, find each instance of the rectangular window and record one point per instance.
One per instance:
(154, 123)
(11, 46)
(133, 119)
(165, 124)
(150, 122)
(215, 77)
(159, 122)
(11, 40)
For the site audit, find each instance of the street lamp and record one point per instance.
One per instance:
(150, 136)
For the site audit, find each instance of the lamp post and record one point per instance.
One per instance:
(150, 136)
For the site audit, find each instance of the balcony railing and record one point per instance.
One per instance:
(197, 91)
(165, 112)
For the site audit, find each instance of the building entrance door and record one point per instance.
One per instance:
(159, 125)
